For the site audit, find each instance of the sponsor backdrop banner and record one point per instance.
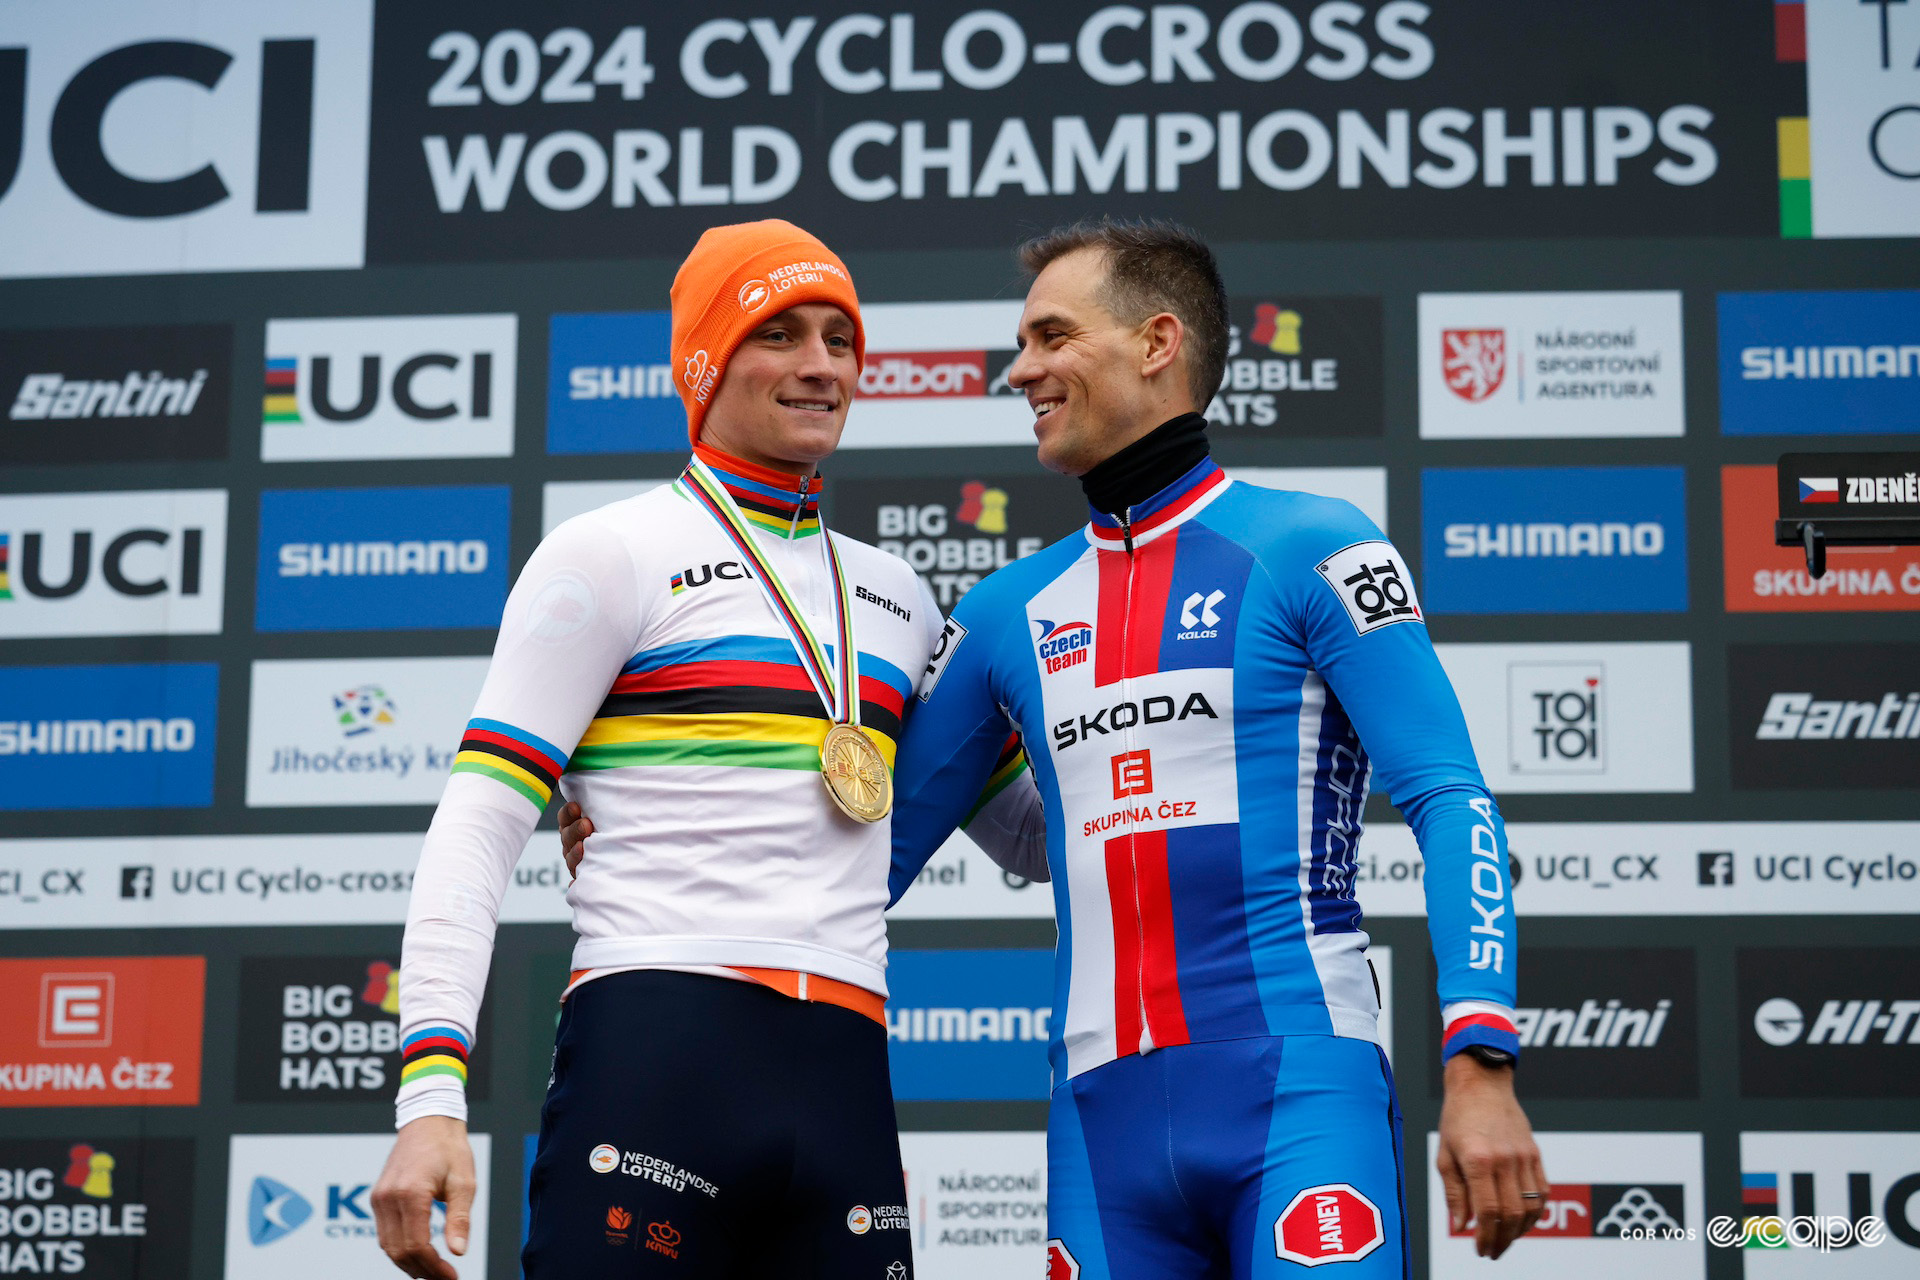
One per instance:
(1522, 286)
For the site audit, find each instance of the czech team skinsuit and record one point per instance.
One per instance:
(1206, 683)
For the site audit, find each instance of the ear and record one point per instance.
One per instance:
(1162, 338)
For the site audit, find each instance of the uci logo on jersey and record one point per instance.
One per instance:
(1063, 646)
(701, 575)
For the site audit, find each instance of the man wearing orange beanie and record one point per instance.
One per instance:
(721, 682)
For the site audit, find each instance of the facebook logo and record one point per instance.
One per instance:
(1554, 540)
(969, 1024)
(610, 384)
(136, 882)
(1716, 868)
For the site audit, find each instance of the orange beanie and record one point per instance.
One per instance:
(734, 280)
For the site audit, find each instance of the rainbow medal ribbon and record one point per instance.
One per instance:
(855, 772)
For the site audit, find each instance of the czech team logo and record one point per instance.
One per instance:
(1473, 361)
(1066, 645)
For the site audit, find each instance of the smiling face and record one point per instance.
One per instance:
(1095, 383)
(782, 402)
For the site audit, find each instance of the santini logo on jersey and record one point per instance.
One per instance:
(906, 615)
(1066, 645)
(1158, 709)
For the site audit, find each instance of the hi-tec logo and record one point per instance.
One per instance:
(902, 375)
(1592, 1026)
(1780, 1022)
(382, 559)
(133, 395)
(250, 150)
(1803, 718)
(1553, 539)
(1159, 709)
(1063, 646)
(1197, 615)
(112, 563)
(389, 387)
(968, 1025)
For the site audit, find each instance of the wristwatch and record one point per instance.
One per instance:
(1488, 1056)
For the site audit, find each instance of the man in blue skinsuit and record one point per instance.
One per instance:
(1206, 678)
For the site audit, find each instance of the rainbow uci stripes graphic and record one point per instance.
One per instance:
(6, 582)
(434, 1051)
(281, 403)
(529, 764)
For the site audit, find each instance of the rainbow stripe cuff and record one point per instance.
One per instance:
(530, 765)
(434, 1051)
(1472, 1022)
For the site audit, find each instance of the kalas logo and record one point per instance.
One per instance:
(362, 710)
(1066, 645)
(274, 1210)
(1473, 362)
(897, 375)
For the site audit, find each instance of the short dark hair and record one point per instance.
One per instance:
(1153, 266)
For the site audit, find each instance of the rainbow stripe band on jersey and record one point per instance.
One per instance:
(434, 1051)
(1012, 761)
(741, 701)
(769, 500)
(529, 764)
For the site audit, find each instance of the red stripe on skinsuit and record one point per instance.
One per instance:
(1160, 960)
(1152, 584)
(1126, 947)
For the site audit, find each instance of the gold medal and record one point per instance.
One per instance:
(856, 774)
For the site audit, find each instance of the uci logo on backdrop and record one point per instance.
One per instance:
(391, 387)
(227, 135)
(113, 564)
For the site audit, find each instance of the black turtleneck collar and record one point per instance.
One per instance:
(1148, 465)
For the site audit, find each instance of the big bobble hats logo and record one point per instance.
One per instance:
(382, 559)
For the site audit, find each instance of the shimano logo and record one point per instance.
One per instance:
(1158, 709)
(381, 559)
(1592, 1026)
(95, 737)
(1764, 363)
(52, 395)
(621, 382)
(1799, 717)
(1552, 540)
(968, 1025)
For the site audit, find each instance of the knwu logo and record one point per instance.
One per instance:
(395, 387)
(93, 564)
(227, 135)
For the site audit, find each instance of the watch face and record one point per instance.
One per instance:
(1491, 1056)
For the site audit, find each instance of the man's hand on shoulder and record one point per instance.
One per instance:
(431, 1160)
(1487, 1156)
(575, 827)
